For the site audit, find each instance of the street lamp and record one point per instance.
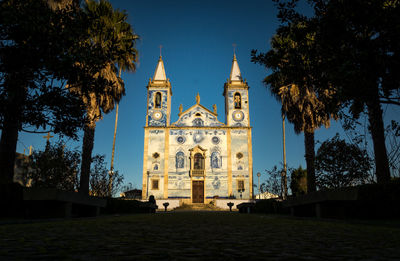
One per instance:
(259, 190)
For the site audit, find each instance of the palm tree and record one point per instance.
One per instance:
(111, 31)
(126, 63)
(293, 83)
(307, 112)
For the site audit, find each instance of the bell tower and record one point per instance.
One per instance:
(159, 98)
(236, 92)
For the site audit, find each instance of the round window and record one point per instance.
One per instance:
(215, 140)
(180, 139)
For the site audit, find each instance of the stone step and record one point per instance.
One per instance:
(198, 207)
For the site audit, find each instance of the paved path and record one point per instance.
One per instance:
(198, 236)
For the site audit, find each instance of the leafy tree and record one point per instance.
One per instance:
(109, 29)
(273, 183)
(360, 42)
(393, 139)
(294, 82)
(100, 181)
(40, 49)
(55, 167)
(358, 45)
(357, 131)
(298, 183)
(340, 164)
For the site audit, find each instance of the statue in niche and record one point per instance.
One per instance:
(215, 160)
(155, 167)
(180, 160)
(238, 101)
(158, 100)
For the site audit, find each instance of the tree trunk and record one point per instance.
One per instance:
(284, 173)
(112, 153)
(110, 185)
(378, 139)
(87, 147)
(16, 91)
(310, 157)
(8, 146)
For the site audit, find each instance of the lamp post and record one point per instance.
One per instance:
(259, 190)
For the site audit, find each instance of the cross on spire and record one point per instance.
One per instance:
(234, 48)
(160, 49)
(48, 136)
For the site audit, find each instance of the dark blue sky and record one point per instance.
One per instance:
(197, 38)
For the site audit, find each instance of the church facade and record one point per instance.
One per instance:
(197, 158)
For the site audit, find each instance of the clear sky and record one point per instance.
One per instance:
(197, 38)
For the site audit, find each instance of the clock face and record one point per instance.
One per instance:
(237, 116)
(157, 115)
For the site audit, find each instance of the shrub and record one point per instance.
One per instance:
(270, 206)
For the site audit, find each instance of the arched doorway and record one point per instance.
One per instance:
(197, 173)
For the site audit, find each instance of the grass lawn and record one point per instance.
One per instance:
(198, 235)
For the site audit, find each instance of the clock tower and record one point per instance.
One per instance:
(236, 98)
(159, 98)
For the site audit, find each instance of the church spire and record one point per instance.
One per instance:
(235, 71)
(159, 74)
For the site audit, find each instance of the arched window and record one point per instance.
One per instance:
(198, 161)
(216, 161)
(179, 160)
(238, 101)
(157, 101)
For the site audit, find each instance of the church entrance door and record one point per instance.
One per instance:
(198, 191)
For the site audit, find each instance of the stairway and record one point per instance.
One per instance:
(198, 207)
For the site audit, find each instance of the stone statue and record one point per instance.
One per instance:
(198, 98)
(215, 108)
(180, 109)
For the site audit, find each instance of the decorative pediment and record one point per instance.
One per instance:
(198, 149)
(198, 116)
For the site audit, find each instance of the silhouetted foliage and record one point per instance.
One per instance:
(298, 183)
(55, 167)
(340, 164)
(58, 167)
(100, 179)
(40, 50)
(295, 80)
(108, 28)
(273, 183)
(348, 49)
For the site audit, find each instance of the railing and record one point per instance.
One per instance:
(197, 172)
